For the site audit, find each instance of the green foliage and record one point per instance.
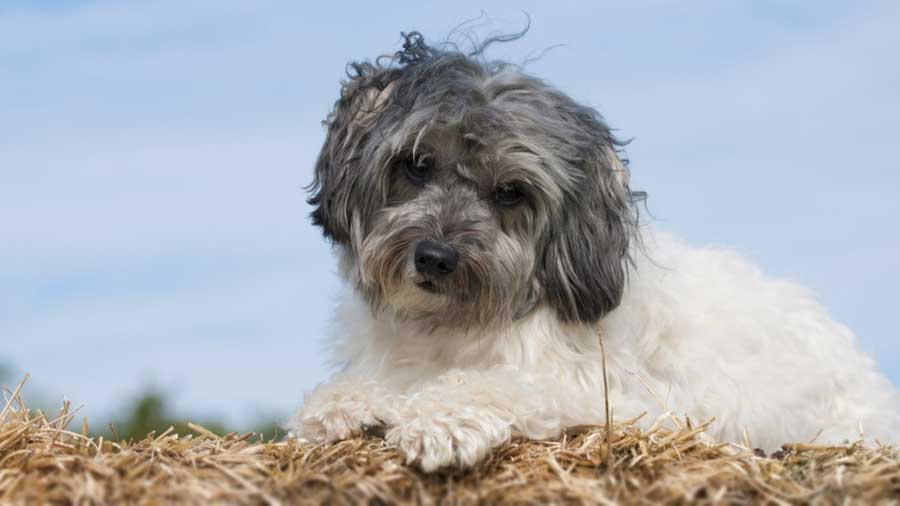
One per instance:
(150, 412)
(5, 373)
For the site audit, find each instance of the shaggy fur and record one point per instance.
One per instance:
(526, 189)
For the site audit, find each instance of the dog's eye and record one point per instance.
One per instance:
(507, 194)
(419, 171)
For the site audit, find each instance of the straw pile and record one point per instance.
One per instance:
(43, 462)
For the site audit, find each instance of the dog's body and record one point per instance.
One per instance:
(485, 228)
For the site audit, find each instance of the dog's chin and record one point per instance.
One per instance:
(429, 303)
(418, 297)
(428, 286)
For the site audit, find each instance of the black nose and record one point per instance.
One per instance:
(435, 258)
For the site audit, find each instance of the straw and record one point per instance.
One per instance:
(42, 462)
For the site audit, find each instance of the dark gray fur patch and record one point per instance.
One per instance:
(485, 123)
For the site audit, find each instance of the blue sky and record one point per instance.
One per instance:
(152, 157)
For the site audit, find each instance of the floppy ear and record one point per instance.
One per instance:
(336, 187)
(583, 267)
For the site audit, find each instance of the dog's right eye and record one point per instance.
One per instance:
(419, 171)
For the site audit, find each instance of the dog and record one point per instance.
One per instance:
(494, 258)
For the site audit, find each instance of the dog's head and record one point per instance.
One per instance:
(463, 193)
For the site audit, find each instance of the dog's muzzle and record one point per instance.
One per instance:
(435, 260)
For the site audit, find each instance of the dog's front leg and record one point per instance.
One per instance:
(457, 419)
(342, 408)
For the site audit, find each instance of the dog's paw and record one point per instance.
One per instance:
(433, 442)
(335, 419)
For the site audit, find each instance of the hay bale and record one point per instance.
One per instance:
(43, 462)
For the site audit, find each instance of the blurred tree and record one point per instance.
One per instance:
(35, 396)
(5, 373)
(150, 412)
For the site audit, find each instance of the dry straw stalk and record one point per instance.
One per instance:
(42, 462)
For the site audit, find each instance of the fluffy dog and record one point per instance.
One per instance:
(484, 224)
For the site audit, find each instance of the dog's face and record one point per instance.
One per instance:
(464, 194)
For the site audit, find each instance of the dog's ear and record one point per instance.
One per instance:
(337, 186)
(583, 268)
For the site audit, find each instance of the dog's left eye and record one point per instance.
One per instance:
(419, 171)
(507, 194)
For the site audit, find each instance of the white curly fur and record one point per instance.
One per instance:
(700, 332)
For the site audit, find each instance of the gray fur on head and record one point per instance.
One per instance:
(522, 181)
